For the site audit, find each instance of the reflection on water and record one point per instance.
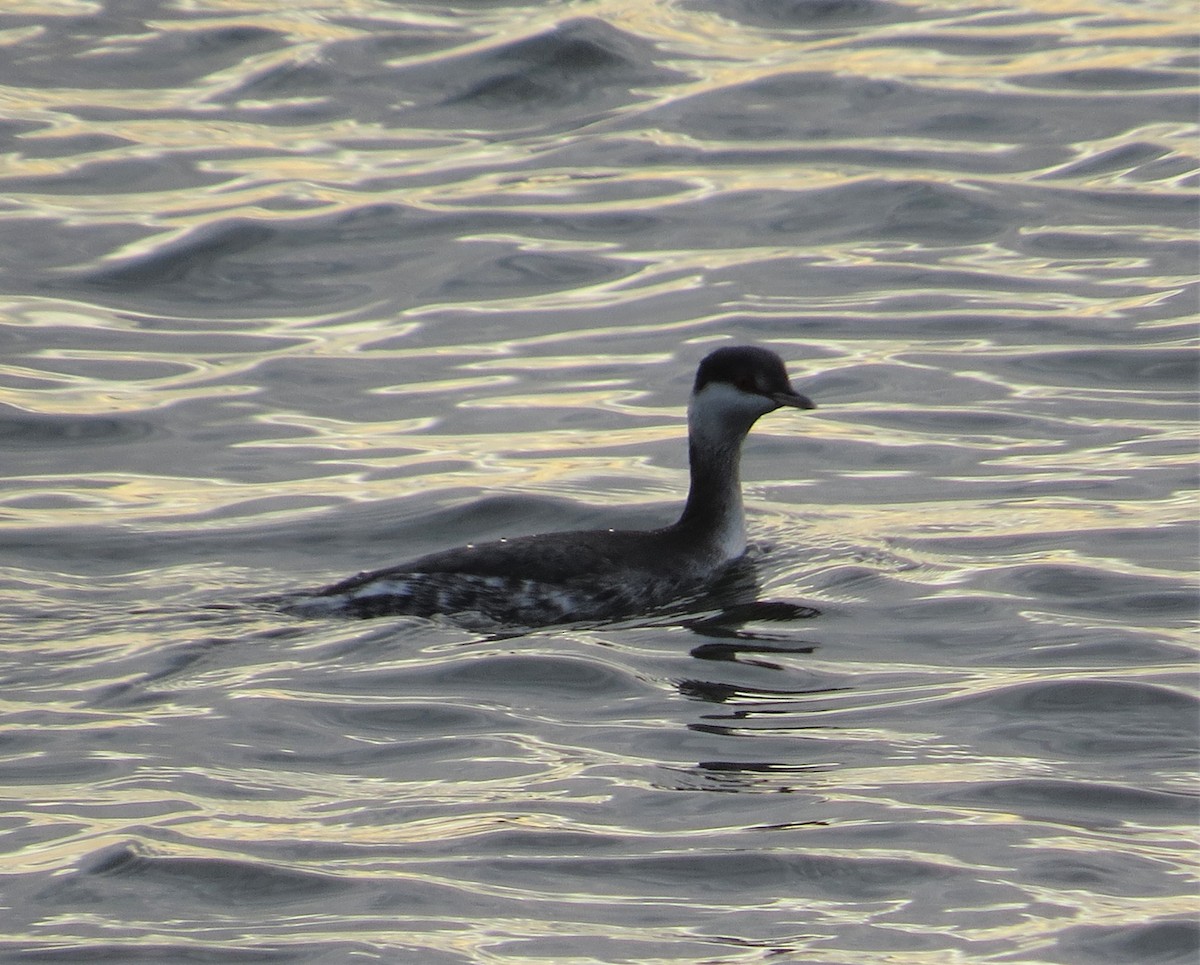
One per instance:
(292, 293)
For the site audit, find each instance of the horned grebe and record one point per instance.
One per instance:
(599, 574)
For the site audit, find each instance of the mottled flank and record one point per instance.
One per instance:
(481, 600)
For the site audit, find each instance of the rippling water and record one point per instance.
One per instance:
(290, 291)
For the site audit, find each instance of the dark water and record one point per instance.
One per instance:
(293, 290)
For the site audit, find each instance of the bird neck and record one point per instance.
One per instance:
(714, 515)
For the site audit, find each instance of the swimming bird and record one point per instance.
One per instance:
(600, 574)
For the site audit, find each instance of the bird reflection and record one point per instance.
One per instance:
(738, 604)
(735, 637)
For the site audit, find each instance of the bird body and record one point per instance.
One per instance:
(598, 574)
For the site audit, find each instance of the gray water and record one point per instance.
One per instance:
(292, 290)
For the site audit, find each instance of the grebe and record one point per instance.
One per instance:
(599, 574)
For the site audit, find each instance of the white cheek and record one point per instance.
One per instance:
(719, 411)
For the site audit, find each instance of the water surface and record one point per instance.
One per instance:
(291, 293)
